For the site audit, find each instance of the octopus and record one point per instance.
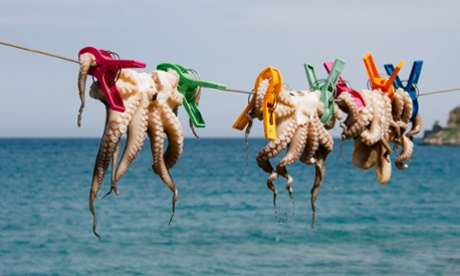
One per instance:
(299, 131)
(368, 126)
(374, 125)
(151, 101)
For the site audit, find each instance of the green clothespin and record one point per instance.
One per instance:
(188, 84)
(327, 88)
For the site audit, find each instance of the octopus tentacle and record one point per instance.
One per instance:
(155, 132)
(375, 131)
(366, 115)
(274, 148)
(163, 120)
(383, 166)
(337, 115)
(109, 143)
(296, 146)
(408, 107)
(406, 154)
(256, 112)
(320, 170)
(312, 143)
(173, 131)
(114, 169)
(86, 61)
(135, 140)
(346, 100)
(323, 144)
(285, 106)
(175, 135)
(416, 126)
(123, 122)
(401, 111)
(398, 104)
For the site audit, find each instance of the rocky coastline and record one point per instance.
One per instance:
(442, 136)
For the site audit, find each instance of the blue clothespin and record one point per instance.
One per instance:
(410, 87)
(327, 89)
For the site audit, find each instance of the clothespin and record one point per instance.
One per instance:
(327, 89)
(106, 72)
(274, 87)
(187, 86)
(378, 82)
(410, 87)
(342, 87)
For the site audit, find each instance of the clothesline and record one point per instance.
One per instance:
(227, 89)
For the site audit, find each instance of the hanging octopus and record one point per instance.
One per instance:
(145, 95)
(375, 125)
(369, 127)
(299, 131)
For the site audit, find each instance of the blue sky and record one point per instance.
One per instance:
(225, 41)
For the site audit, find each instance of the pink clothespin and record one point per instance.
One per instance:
(106, 73)
(342, 87)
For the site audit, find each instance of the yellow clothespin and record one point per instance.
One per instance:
(274, 87)
(377, 82)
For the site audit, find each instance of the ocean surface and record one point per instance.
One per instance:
(224, 222)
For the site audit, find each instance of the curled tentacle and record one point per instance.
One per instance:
(296, 146)
(337, 115)
(366, 115)
(406, 154)
(256, 112)
(347, 101)
(274, 148)
(416, 126)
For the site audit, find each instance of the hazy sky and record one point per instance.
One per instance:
(225, 41)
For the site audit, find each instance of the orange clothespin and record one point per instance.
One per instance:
(274, 87)
(378, 82)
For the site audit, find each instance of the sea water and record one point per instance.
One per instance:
(224, 222)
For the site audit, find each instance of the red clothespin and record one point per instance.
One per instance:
(342, 87)
(106, 73)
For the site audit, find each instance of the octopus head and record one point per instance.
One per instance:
(306, 103)
(167, 83)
